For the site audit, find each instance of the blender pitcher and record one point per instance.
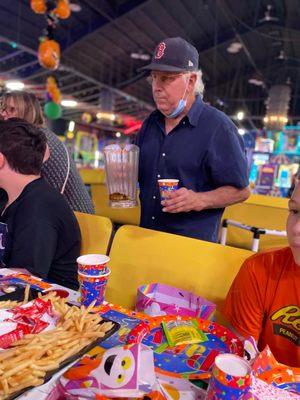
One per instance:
(121, 168)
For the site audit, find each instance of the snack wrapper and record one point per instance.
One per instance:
(122, 371)
(33, 317)
(183, 332)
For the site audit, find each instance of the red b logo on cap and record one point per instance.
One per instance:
(160, 50)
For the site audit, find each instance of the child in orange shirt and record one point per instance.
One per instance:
(264, 299)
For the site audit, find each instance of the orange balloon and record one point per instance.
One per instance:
(49, 54)
(56, 96)
(63, 9)
(38, 6)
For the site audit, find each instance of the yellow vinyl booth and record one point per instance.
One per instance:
(92, 175)
(259, 211)
(95, 231)
(141, 256)
(118, 215)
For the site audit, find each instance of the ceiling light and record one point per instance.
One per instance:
(241, 131)
(69, 103)
(71, 126)
(256, 81)
(240, 115)
(118, 134)
(268, 17)
(140, 56)
(234, 47)
(281, 55)
(14, 85)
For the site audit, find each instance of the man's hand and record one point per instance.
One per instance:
(184, 200)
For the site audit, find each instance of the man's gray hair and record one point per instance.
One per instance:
(199, 85)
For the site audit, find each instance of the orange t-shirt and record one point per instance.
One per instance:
(264, 302)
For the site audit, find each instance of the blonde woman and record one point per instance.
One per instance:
(59, 169)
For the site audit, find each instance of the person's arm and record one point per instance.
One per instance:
(244, 305)
(184, 200)
(34, 246)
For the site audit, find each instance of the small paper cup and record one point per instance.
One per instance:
(92, 288)
(92, 264)
(166, 186)
(230, 378)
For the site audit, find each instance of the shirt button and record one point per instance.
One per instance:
(158, 176)
(153, 217)
(163, 154)
(154, 197)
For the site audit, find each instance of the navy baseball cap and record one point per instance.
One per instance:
(174, 55)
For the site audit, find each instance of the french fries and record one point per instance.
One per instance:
(11, 303)
(26, 294)
(28, 360)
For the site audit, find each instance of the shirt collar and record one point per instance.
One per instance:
(193, 114)
(195, 111)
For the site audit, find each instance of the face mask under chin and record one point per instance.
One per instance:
(180, 106)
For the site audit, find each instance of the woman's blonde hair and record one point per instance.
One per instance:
(27, 106)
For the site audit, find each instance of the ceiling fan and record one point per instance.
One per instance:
(268, 17)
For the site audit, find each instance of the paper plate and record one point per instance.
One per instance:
(188, 361)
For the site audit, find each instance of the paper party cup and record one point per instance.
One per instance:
(166, 186)
(92, 264)
(230, 378)
(93, 288)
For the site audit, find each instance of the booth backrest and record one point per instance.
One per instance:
(140, 256)
(259, 211)
(118, 215)
(92, 175)
(95, 233)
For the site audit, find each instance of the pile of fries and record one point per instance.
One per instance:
(28, 360)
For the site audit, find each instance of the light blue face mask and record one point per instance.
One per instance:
(178, 110)
(180, 106)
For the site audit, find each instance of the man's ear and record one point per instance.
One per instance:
(2, 160)
(192, 82)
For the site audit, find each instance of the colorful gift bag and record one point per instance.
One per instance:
(157, 299)
(269, 370)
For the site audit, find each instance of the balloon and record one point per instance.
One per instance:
(38, 6)
(49, 54)
(52, 90)
(52, 110)
(62, 10)
(56, 96)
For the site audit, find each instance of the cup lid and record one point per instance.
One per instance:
(93, 259)
(232, 364)
(168, 180)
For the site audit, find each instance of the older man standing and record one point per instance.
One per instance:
(188, 140)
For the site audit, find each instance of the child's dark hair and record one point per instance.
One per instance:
(23, 145)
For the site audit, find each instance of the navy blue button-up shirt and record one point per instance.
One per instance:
(204, 151)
